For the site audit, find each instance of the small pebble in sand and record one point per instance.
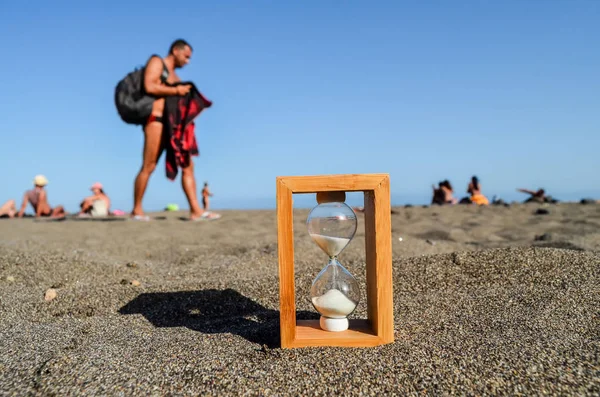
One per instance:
(131, 264)
(10, 279)
(135, 283)
(543, 237)
(50, 294)
(399, 238)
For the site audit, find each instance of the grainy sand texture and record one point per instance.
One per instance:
(487, 301)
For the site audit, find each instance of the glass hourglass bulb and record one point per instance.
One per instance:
(334, 292)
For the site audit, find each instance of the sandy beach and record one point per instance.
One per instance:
(487, 300)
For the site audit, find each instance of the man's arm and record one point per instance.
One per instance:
(23, 206)
(526, 191)
(152, 82)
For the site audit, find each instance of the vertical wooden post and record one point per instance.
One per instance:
(378, 245)
(285, 240)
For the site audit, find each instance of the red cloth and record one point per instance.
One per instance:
(179, 128)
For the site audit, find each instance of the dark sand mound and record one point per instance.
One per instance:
(499, 321)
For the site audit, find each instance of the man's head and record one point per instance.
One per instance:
(181, 52)
(40, 181)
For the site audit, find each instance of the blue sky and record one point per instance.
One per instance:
(423, 90)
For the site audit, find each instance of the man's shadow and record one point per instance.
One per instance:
(212, 311)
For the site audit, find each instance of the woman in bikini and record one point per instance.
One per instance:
(474, 189)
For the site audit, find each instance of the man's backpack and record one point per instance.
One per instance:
(134, 105)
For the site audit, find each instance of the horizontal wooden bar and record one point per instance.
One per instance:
(330, 183)
(359, 334)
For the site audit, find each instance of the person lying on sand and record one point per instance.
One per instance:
(8, 209)
(38, 199)
(97, 204)
(474, 189)
(538, 196)
(443, 194)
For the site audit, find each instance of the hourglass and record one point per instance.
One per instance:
(335, 293)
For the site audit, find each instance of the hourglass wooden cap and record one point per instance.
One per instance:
(331, 197)
(378, 327)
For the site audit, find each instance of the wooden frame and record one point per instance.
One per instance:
(378, 327)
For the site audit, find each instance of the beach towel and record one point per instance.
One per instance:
(179, 128)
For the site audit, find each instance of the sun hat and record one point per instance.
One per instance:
(96, 185)
(40, 180)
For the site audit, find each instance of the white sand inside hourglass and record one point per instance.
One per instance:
(331, 245)
(334, 304)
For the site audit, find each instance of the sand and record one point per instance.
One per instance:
(180, 308)
(333, 304)
(331, 246)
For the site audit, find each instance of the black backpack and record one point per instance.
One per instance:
(134, 105)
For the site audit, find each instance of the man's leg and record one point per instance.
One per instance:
(152, 151)
(58, 212)
(188, 182)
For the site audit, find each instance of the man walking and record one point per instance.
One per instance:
(158, 79)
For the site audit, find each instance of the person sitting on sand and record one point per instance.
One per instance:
(38, 199)
(538, 196)
(438, 194)
(474, 189)
(8, 209)
(448, 193)
(443, 194)
(97, 204)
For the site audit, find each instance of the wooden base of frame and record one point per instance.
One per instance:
(359, 334)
